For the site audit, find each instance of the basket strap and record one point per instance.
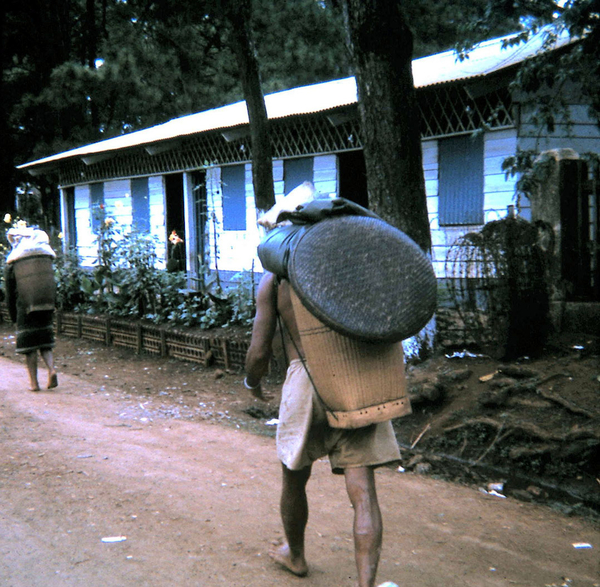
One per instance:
(302, 359)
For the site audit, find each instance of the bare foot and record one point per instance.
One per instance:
(280, 553)
(34, 388)
(52, 380)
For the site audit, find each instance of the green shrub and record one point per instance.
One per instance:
(71, 281)
(125, 282)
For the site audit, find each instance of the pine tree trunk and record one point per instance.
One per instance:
(380, 44)
(239, 15)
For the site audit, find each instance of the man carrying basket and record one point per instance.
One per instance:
(303, 436)
(305, 430)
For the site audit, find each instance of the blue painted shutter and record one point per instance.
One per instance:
(461, 180)
(233, 179)
(97, 201)
(296, 172)
(140, 204)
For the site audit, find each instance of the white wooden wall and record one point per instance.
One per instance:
(229, 250)
(498, 191)
(581, 135)
(235, 250)
(158, 229)
(86, 239)
(118, 206)
(325, 175)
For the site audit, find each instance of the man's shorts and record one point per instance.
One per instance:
(303, 434)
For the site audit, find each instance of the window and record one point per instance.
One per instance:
(296, 172)
(140, 204)
(97, 203)
(461, 180)
(71, 227)
(233, 179)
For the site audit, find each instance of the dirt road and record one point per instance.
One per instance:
(197, 504)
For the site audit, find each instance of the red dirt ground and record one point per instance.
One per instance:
(167, 455)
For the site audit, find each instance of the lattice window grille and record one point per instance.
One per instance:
(291, 138)
(314, 135)
(445, 110)
(449, 110)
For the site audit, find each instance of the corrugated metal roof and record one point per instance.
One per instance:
(440, 68)
(487, 58)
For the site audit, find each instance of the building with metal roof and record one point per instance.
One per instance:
(193, 174)
(487, 58)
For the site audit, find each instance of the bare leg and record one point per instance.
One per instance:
(48, 358)
(368, 529)
(294, 515)
(31, 361)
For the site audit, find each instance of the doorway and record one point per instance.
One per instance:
(175, 222)
(580, 234)
(353, 177)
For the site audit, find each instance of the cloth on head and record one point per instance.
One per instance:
(28, 242)
(299, 196)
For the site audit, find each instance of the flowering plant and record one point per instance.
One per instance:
(174, 238)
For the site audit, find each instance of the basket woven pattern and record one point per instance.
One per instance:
(364, 279)
(360, 382)
(35, 283)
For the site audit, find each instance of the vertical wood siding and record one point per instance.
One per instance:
(498, 192)
(86, 246)
(582, 134)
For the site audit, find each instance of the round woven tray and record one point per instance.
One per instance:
(363, 278)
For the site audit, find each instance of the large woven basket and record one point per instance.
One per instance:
(363, 278)
(35, 283)
(360, 383)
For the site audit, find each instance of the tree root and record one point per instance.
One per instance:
(519, 452)
(527, 429)
(565, 403)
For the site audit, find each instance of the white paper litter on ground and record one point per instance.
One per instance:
(111, 539)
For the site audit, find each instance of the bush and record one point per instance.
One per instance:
(125, 282)
(70, 281)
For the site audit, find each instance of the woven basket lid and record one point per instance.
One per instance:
(363, 278)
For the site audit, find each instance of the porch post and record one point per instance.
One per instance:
(191, 231)
(64, 221)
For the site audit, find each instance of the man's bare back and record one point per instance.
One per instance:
(291, 336)
(273, 298)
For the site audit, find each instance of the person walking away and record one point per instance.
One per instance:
(30, 296)
(304, 436)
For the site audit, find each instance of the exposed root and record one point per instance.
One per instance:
(527, 429)
(568, 405)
